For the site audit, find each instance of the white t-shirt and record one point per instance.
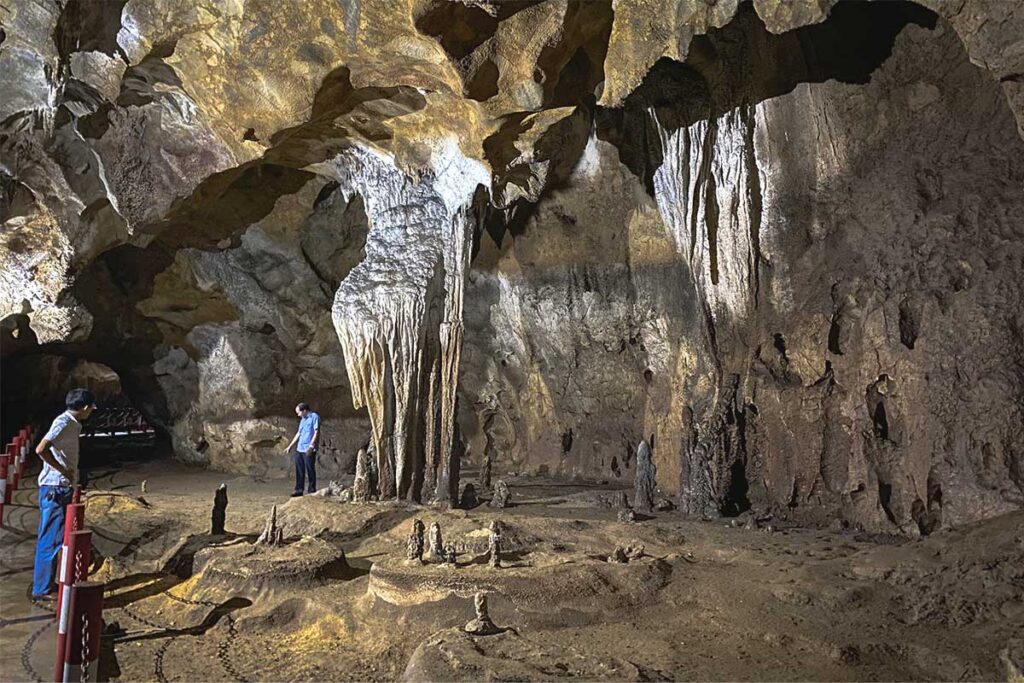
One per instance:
(63, 437)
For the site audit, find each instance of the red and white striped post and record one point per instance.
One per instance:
(79, 547)
(76, 495)
(12, 469)
(19, 451)
(26, 444)
(5, 496)
(82, 654)
(74, 520)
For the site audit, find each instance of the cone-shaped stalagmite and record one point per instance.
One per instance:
(645, 481)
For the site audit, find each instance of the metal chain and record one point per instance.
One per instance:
(223, 652)
(85, 647)
(78, 568)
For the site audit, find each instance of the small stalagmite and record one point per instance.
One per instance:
(220, 506)
(272, 535)
(436, 542)
(481, 625)
(645, 482)
(468, 498)
(494, 544)
(414, 544)
(450, 555)
(361, 484)
(502, 495)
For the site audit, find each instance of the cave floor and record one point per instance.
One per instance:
(706, 601)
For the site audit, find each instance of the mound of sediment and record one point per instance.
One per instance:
(456, 656)
(539, 582)
(248, 569)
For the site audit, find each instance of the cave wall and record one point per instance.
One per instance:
(797, 220)
(848, 252)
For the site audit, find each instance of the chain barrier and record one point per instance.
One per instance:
(85, 647)
(26, 653)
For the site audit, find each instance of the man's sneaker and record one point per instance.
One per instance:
(296, 494)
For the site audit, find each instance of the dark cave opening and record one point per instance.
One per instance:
(117, 431)
(735, 500)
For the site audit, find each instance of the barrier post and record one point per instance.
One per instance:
(79, 546)
(20, 449)
(4, 495)
(74, 520)
(76, 494)
(12, 470)
(81, 657)
(26, 446)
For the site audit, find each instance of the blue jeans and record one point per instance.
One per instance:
(305, 465)
(53, 501)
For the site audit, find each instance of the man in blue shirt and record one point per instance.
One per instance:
(58, 450)
(308, 439)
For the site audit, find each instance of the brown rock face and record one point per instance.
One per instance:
(783, 237)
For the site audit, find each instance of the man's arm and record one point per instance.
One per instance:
(315, 444)
(291, 444)
(43, 451)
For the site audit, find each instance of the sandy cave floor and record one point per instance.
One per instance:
(340, 602)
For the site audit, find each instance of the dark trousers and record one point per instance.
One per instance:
(52, 503)
(305, 466)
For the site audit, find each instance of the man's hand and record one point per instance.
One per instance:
(287, 449)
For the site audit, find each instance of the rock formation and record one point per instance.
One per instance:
(414, 544)
(436, 542)
(501, 496)
(450, 555)
(645, 480)
(272, 534)
(494, 545)
(468, 498)
(361, 483)
(220, 506)
(481, 624)
(798, 221)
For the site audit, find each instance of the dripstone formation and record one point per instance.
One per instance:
(414, 544)
(645, 481)
(481, 625)
(272, 534)
(436, 542)
(494, 545)
(220, 506)
(539, 228)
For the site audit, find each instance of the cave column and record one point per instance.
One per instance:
(398, 315)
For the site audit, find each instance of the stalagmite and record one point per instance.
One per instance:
(436, 542)
(272, 535)
(494, 544)
(361, 483)
(468, 498)
(481, 625)
(398, 314)
(696, 492)
(502, 495)
(450, 555)
(645, 479)
(414, 544)
(220, 506)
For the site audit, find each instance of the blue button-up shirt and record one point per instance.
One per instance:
(307, 427)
